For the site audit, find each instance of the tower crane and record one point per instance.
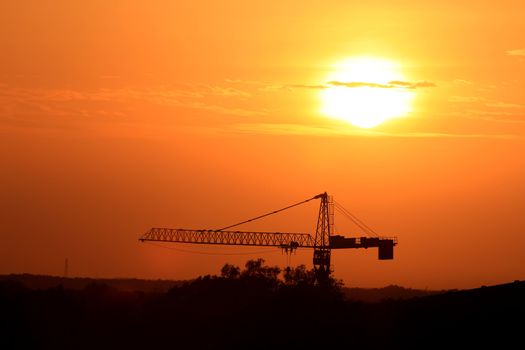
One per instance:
(322, 243)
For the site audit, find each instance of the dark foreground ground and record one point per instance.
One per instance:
(255, 309)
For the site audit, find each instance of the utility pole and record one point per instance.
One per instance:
(66, 268)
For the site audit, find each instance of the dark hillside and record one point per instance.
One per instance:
(252, 309)
(373, 295)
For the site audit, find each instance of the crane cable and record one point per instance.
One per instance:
(366, 229)
(209, 253)
(352, 218)
(271, 213)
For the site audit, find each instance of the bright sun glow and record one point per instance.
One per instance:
(361, 92)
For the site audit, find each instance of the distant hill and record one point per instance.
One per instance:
(122, 284)
(374, 295)
(162, 286)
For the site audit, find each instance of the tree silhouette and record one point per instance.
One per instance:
(230, 271)
(256, 268)
(298, 276)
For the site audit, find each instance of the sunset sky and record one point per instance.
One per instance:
(117, 116)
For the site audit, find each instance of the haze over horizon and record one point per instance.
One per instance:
(116, 117)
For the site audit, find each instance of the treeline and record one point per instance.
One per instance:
(123, 284)
(289, 276)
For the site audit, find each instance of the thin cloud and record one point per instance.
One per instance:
(291, 87)
(306, 86)
(223, 110)
(466, 99)
(488, 103)
(394, 84)
(518, 52)
(495, 120)
(20, 102)
(391, 84)
(462, 82)
(503, 105)
(304, 130)
(489, 113)
(409, 85)
(358, 84)
(216, 90)
(107, 94)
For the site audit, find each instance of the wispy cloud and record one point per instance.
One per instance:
(493, 116)
(462, 82)
(503, 105)
(306, 86)
(411, 85)
(157, 93)
(358, 84)
(224, 91)
(221, 109)
(487, 102)
(517, 52)
(466, 99)
(495, 120)
(304, 130)
(488, 112)
(67, 102)
(506, 117)
(394, 84)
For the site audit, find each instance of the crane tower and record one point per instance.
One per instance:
(322, 243)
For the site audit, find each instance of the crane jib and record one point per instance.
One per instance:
(267, 239)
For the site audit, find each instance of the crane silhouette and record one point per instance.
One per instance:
(322, 243)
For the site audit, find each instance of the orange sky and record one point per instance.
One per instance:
(117, 117)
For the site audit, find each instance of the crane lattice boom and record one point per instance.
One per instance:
(264, 239)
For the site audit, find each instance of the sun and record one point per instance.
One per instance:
(366, 92)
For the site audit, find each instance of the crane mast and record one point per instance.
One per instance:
(322, 243)
(323, 232)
